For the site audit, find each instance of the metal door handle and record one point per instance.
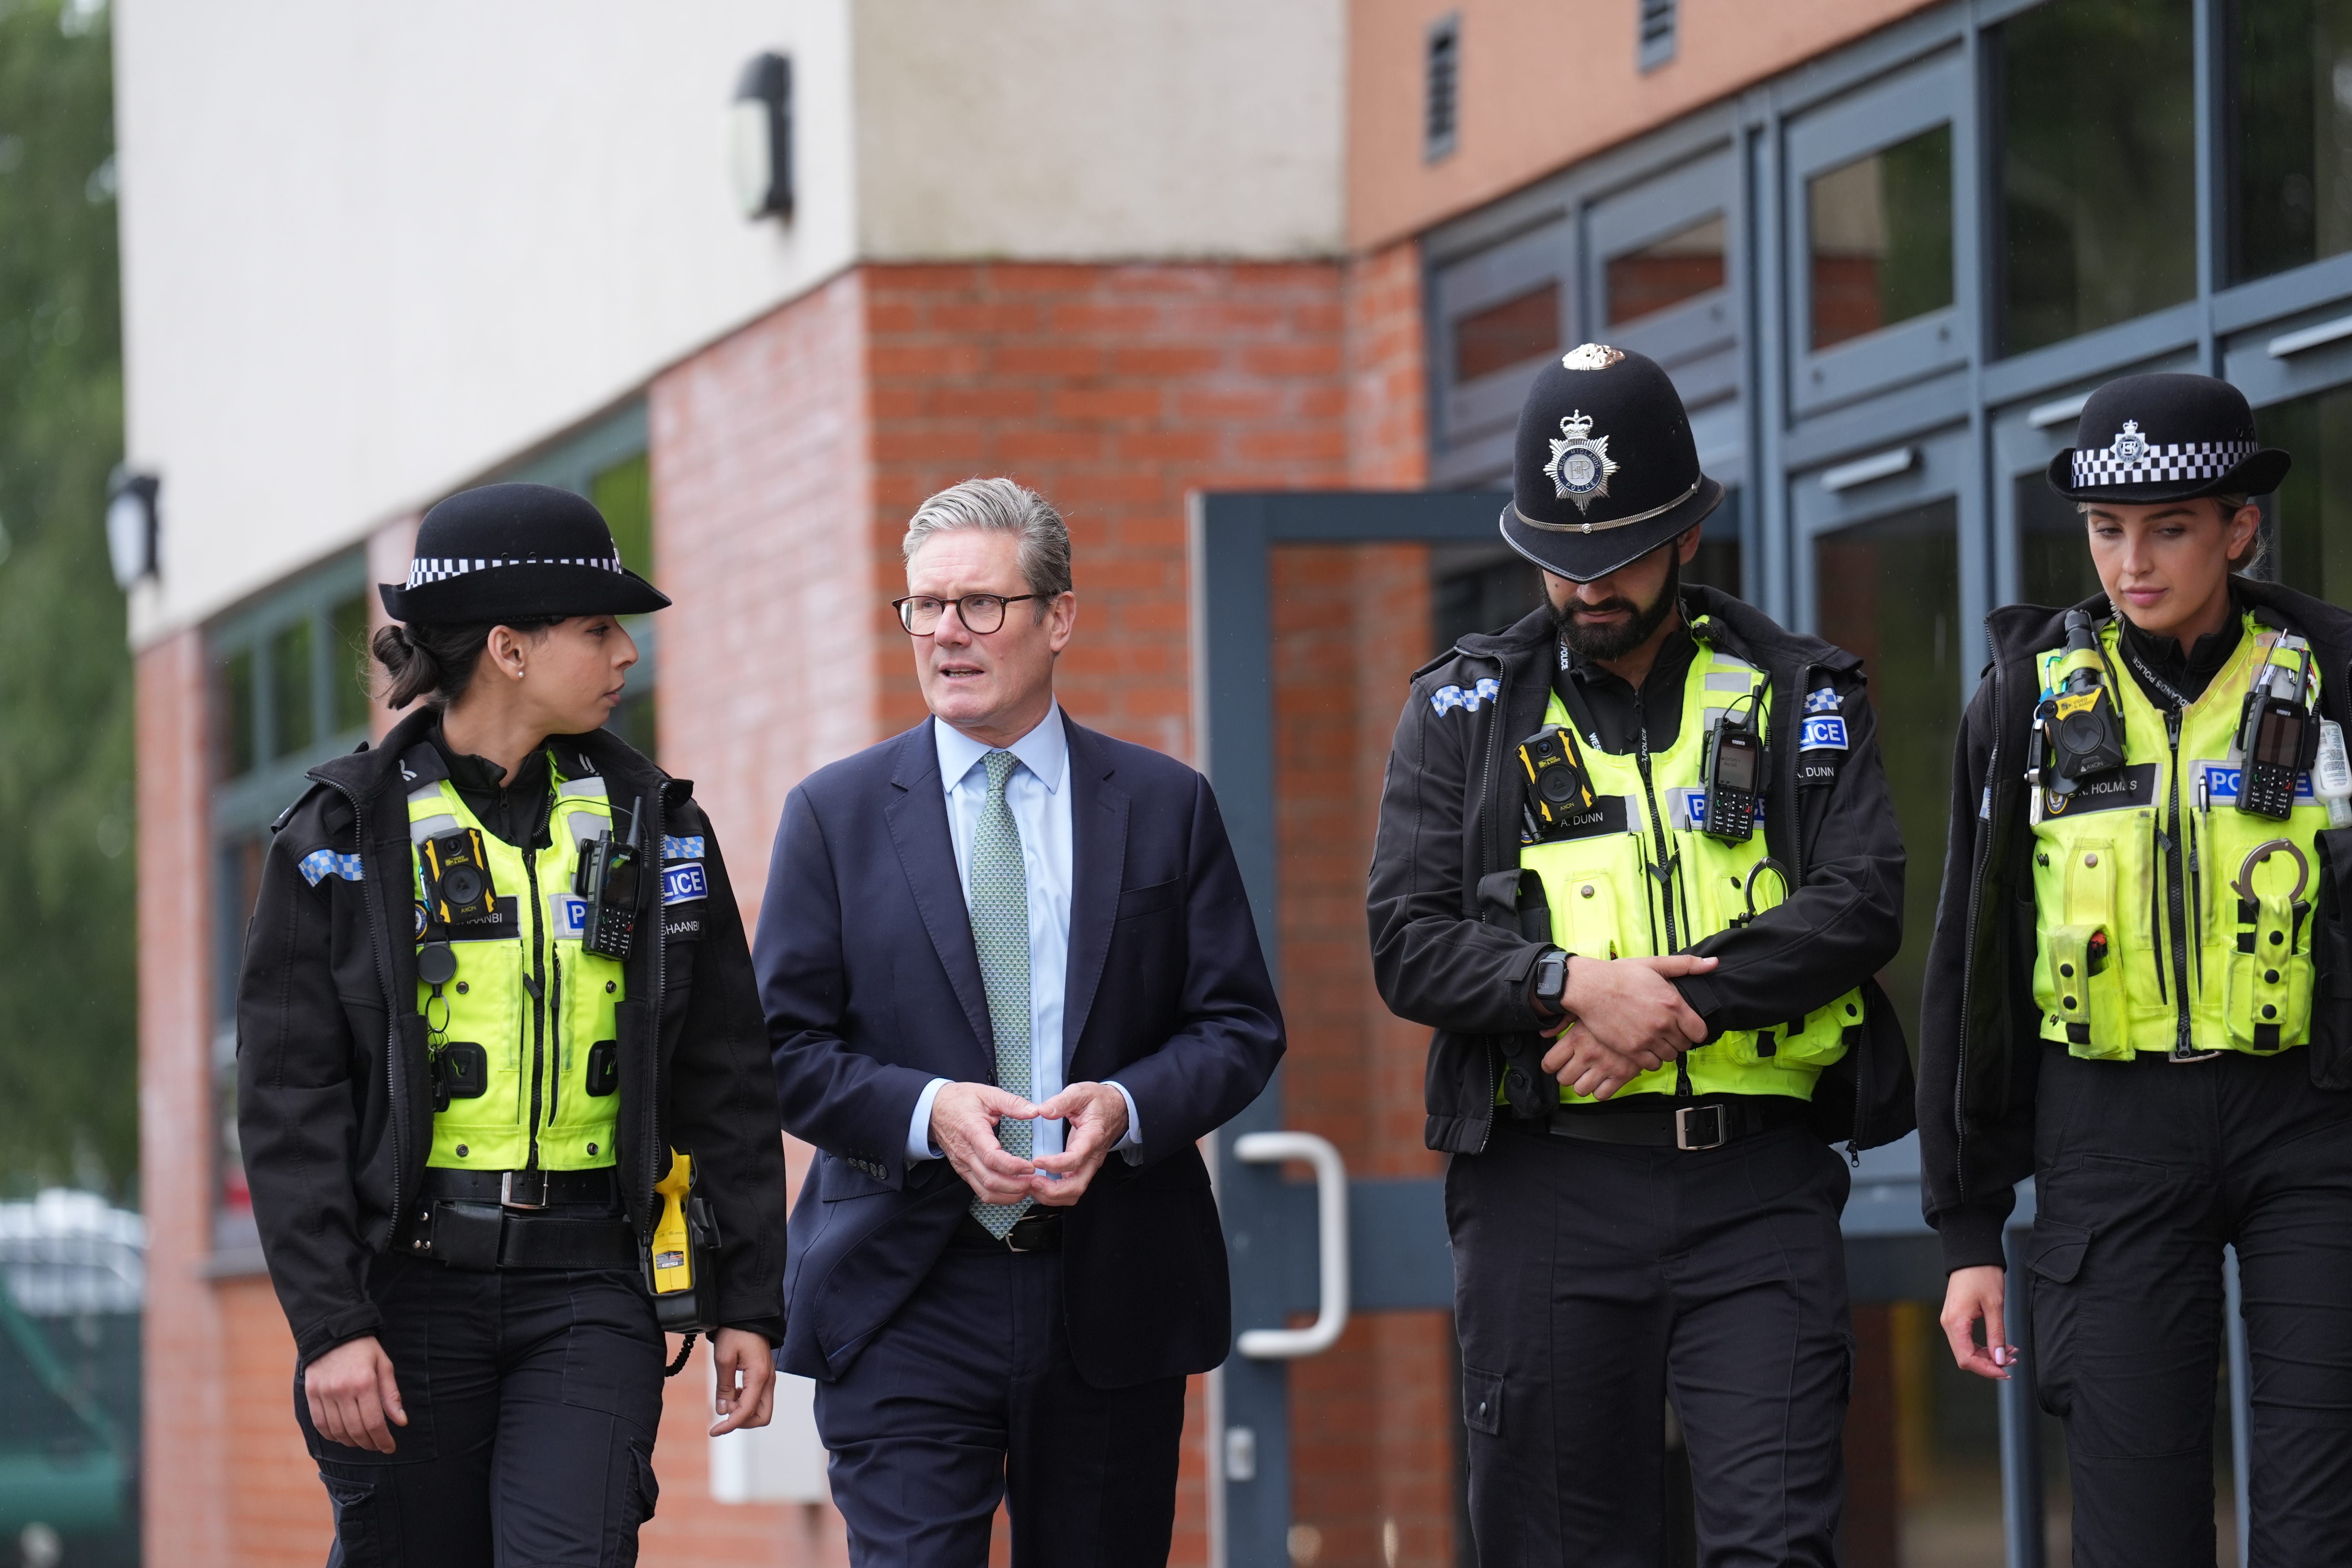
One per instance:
(1331, 1244)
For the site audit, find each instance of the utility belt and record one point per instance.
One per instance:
(486, 1220)
(1693, 1127)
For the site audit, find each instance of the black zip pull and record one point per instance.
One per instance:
(531, 982)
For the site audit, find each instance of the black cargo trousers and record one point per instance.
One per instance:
(2144, 1170)
(533, 1398)
(1592, 1283)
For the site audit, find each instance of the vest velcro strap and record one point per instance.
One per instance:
(482, 1238)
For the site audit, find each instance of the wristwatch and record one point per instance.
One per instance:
(1550, 978)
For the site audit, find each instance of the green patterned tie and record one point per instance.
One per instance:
(1000, 929)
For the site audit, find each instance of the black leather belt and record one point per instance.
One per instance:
(1035, 1231)
(493, 1220)
(1691, 1127)
(522, 1189)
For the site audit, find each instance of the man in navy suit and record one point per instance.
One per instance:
(1011, 978)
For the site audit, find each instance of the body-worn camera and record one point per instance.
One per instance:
(1558, 788)
(2277, 739)
(458, 886)
(1734, 773)
(609, 877)
(2081, 730)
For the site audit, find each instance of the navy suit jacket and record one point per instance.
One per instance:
(872, 988)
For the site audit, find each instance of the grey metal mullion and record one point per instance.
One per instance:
(1985, 550)
(1767, 312)
(2206, 73)
(2023, 1512)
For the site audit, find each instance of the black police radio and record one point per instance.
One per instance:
(1733, 771)
(1557, 787)
(2277, 740)
(609, 876)
(2082, 729)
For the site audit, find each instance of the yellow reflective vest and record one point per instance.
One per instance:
(2159, 846)
(1637, 877)
(523, 1039)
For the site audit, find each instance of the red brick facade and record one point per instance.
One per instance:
(785, 460)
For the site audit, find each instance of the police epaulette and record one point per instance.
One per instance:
(287, 815)
(1442, 659)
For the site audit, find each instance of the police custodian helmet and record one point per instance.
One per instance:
(2145, 439)
(519, 551)
(1604, 471)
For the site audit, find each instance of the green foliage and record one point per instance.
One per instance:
(68, 1060)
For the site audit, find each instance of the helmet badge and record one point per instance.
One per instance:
(2129, 446)
(1580, 465)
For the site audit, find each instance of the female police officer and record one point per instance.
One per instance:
(2130, 994)
(471, 1041)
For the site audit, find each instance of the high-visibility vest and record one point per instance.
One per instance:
(1610, 899)
(2104, 877)
(540, 1010)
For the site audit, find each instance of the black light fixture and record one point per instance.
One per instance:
(131, 526)
(763, 137)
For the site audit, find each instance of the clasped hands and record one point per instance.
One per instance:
(963, 1127)
(1620, 1018)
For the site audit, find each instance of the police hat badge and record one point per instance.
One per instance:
(1580, 465)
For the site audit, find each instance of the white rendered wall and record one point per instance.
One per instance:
(370, 252)
(1091, 130)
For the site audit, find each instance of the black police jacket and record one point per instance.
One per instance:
(1980, 1032)
(1450, 808)
(334, 1104)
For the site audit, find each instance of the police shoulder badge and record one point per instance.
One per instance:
(1580, 465)
(2130, 446)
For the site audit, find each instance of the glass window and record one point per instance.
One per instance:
(1680, 266)
(625, 494)
(241, 746)
(2312, 512)
(2097, 108)
(348, 677)
(1880, 235)
(292, 689)
(2054, 548)
(1889, 591)
(1524, 327)
(2291, 86)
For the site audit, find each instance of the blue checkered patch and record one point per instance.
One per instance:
(682, 884)
(1822, 699)
(1445, 698)
(320, 864)
(1823, 734)
(682, 848)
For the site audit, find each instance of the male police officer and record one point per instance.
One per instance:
(1636, 865)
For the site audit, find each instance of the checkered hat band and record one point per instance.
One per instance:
(441, 568)
(2161, 465)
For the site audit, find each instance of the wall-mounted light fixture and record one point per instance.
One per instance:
(131, 526)
(763, 137)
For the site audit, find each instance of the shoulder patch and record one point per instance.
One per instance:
(1823, 732)
(689, 848)
(1822, 699)
(1445, 698)
(685, 883)
(320, 864)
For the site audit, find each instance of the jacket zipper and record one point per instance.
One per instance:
(2176, 881)
(379, 941)
(1494, 863)
(657, 1147)
(555, 1032)
(534, 980)
(1668, 868)
(1968, 935)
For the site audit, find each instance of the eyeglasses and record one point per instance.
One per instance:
(979, 613)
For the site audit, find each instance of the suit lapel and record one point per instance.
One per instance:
(1098, 864)
(918, 815)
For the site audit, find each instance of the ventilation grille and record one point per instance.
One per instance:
(1657, 32)
(1443, 94)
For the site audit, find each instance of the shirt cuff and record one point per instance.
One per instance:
(1132, 1144)
(919, 1126)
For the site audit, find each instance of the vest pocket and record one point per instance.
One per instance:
(604, 1067)
(2331, 952)
(2085, 995)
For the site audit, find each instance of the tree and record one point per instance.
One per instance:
(68, 1058)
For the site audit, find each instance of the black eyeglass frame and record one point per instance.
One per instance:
(907, 614)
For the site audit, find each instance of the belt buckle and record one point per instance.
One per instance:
(1688, 1139)
(506, 1197)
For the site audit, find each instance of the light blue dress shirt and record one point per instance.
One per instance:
(1041, 810)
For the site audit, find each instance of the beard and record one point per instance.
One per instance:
(1603, 643)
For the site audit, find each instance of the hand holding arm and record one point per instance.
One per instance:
(1627, 1020)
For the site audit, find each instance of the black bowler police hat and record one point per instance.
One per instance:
(2149, 439)
(519, 552)
(1604, 471)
